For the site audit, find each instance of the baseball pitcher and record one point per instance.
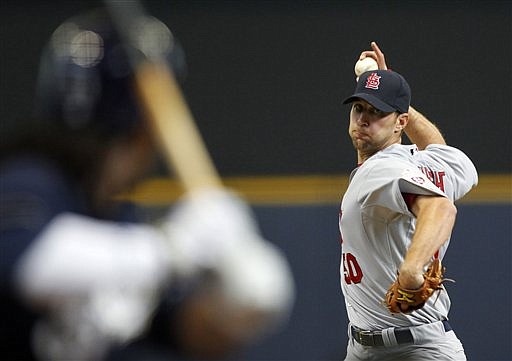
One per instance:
(396, 220)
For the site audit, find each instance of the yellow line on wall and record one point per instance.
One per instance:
(303, 189)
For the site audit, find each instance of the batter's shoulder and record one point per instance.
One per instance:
(36, 187)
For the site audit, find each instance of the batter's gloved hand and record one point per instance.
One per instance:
(214, 232)
(403, 300)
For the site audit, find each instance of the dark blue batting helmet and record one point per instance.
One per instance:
(85, 79)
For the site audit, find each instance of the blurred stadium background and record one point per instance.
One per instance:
(265, 84)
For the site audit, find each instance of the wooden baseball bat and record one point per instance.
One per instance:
(169, 115)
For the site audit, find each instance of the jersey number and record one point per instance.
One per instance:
(351, 269)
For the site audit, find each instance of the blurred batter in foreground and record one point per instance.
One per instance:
(81, 277)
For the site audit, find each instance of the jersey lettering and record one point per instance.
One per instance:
(435, 177)
(351, 269)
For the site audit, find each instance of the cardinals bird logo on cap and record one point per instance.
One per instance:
(373, 81)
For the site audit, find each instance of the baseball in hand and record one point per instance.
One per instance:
(365, 64)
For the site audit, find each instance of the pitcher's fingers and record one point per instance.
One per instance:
(379, 56)
(368, 54)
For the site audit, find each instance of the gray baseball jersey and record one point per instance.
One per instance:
(377, 226)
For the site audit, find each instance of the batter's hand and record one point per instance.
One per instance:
(376, 54)
(215, 231)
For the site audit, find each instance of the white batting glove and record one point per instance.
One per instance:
(215, 230)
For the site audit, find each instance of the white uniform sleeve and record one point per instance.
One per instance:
(387, 180)
(99, 280)
(76, 255)
(461, 169)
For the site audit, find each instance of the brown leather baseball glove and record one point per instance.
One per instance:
(402, 300)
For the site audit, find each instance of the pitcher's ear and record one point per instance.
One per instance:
(401, 122)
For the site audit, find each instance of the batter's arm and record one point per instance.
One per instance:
(421, 131)
(435, 220)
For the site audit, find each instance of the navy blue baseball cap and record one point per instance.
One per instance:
(386, 90)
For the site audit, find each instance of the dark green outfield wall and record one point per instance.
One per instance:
(266, 77)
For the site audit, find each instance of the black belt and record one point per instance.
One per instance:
(374, 338)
